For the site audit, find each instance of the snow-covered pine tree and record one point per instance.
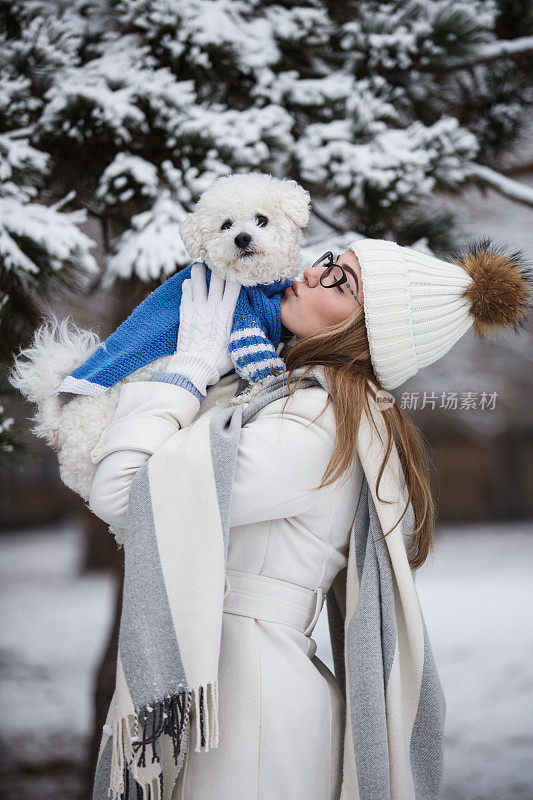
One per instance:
(42, 249)
(432, 96)
(130, 108)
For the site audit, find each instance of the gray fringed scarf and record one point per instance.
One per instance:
(170, 629)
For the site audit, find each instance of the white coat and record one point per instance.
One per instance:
(281, 712)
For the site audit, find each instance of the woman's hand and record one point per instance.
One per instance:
(205, 326)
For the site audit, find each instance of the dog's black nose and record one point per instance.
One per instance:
(242, 240)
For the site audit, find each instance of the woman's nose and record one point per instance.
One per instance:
(312, 275)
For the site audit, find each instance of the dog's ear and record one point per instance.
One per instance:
(295, 202)
(191, 235)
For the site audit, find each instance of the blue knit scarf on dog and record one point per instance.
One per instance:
(151, 331)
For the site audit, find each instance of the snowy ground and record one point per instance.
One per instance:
(54, 624)
(477, 601)
(475, 593)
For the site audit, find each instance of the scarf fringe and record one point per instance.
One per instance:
(170, 717)
(206, 715)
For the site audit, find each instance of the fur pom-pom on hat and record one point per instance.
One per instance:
(501, 289)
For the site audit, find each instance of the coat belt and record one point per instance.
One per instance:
(272, 600)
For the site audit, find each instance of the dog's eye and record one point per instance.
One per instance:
(261, 220)
(226, 225)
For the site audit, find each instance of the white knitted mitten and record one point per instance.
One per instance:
(205, 326)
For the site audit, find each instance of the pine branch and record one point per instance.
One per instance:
(514, 190)
(327, 221)
(520, 169)
(512, 48)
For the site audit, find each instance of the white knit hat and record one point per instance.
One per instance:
(416, 306)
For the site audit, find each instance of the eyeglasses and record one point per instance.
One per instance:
(334, 274)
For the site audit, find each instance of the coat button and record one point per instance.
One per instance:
(94, 452)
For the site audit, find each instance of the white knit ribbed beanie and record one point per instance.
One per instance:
(417, 306)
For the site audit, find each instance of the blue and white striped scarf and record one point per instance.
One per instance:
(151, 331)
(170, 630)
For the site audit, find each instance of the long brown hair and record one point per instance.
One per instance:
(338, 348)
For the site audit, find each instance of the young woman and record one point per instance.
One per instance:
(370, 319)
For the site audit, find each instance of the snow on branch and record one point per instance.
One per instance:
(151, 249)
(514, 48)
(514, 190)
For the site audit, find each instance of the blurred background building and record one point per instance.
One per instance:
(409, 121)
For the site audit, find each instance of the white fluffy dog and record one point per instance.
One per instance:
(245, 226)
(248, 227)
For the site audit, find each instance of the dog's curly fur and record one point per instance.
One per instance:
(70, 424)
(73, 424)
